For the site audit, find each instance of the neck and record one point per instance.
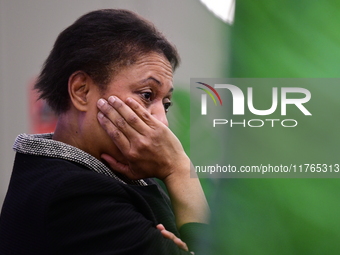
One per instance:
(67, 131)
(72, 129)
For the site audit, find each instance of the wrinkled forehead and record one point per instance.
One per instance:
(149, 63)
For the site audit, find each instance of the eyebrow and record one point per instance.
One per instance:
(153, 79)
(157, 81)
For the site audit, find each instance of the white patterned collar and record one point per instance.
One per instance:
(44, 145)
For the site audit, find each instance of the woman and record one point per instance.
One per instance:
(88, 188)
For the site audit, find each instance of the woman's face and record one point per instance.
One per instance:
(149, 82)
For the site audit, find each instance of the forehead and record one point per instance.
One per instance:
(154, 62)
(147, 67)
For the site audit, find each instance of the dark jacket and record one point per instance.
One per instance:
(54, 206)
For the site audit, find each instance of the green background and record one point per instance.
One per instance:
(278, 39)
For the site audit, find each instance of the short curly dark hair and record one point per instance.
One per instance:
(98, 43)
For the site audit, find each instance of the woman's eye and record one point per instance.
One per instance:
(167, 106)
(147, 95)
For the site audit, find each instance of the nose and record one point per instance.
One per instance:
(158, 112)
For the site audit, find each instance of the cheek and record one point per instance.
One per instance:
(119, 91)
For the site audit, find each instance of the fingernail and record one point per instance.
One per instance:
(100, 115)
(101, 102)
(112, 99)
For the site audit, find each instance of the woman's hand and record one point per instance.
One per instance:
(149, 146)
(152, 150)
(169, 235)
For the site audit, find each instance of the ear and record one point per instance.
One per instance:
(79, 84)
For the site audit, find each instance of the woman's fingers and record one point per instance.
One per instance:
(160, 227)
(142, 113)
(114, 132)
(136, 116)
(169, 235)
(121, 116)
